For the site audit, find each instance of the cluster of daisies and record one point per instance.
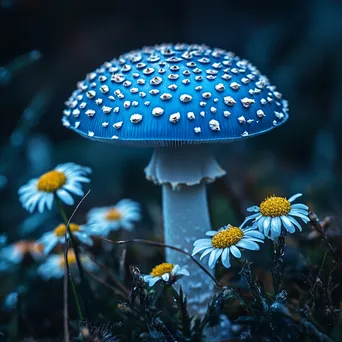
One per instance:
(60, 186)
(273, 217)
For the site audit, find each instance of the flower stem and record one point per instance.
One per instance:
(277, 272)
(77, 256)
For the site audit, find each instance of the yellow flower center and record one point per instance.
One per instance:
(51, 181)
(60, 230)
(71, 259)
(161, 269)
(227, 237)
(275, 206)
(113, 215)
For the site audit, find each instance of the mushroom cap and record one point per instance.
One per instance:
(174, 95)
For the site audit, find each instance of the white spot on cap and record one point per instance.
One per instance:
(244, 134)
(219, 87)
(191, 115)
(235, 86)
(213, 110)
(136, 118)
(77, 124)
(260, 113)
(90, 112)
(246, 102)
(263, 101)
(117, 78)
(185, 98)
(279, 115)
(277, 95)
(241, 119)
(90, 133)
(104, 89)
(115, 137)
(83, 105)
(156, 80)
(197, 130)
(134, 90)
(206, 95)
(76, 112)
(214, 125)
(118, 125)
(172, 86)
(148, 71)
(165, 96)
(175, 117)
(157, 111)
(91, 94)
(105, 124)
(202, 113)
(127, 104)
(198, 88)
(228, 100)
(106, 109)
(147, 103)
(116, 109)
(249, 121)
(245, 80)
(227, 114)
(98, 101)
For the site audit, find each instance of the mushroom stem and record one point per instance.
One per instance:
(183, 172)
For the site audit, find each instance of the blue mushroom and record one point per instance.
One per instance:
(178, 99)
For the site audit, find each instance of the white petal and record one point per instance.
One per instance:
(295, 223)
(303, 217)
(225, 258)
(235, 251)
(266, 224)
(77, 190)
(83, 237)
(275, 226)
(65, 197)
(166, 277)
(244, 243)
(200, 241)
(175, 269)
(198, 249)
(183, 271)
(288, 224)
(260, 224)
(209, 250)
(153, 281)
(292, 198)
(254, 209)
(213, 258)
(254, 233)
(211, 233)
(299, 206)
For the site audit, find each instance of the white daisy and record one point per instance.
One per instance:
(54, 265)
(225, 241)
(16, 252)
(63, 180)
(275, 212)
(107, 219)
(166, 272)
(50, 239)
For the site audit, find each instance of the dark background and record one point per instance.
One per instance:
(297, 44)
